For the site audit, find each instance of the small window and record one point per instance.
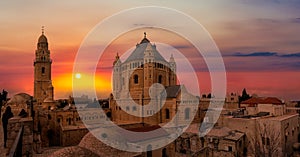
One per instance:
(230, 148)
(43, 70)
(167, 114)
(134, 108)
(187, 114)
(159, 79)
(136, 79)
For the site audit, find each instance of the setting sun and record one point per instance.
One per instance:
(78, 75)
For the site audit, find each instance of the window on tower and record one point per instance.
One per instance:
(43, 70)
(136, 79)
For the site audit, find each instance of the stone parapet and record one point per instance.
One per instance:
(13, 128)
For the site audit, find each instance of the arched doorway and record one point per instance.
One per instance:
(164, 152)
(149, 150)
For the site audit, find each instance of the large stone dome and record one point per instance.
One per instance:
(73, 151)
(21, 98)
(91, 146)
(90, 142)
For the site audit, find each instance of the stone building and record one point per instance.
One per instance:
(92, 146)
(218, 141)
(55, 124)
(43, 88)
(145, 89)
(272, 105)
(269, 130)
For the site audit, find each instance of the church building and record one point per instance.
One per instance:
(145, 89)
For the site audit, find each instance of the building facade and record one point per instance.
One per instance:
(145, 89)
(43, 88)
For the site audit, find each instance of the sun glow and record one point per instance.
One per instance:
(84, 83)
(78, 75)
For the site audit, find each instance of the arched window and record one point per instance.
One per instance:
(159, 79)
(167, 114)
(187, 113)
(136, 79)
(69, 121)
(43, 70)
(149, 150)
(134, 108)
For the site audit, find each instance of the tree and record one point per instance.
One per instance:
(3, 99)
(245, 96)
(266, 141)
(209, 95)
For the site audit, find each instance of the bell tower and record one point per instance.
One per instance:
(42, 71)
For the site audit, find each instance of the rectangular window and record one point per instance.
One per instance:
(230, 148)
(43, 70)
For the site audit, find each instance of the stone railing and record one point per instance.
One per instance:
(20, 136)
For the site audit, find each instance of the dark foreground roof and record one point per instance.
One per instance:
(173, 91)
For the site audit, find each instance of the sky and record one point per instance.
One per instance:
(259, 42)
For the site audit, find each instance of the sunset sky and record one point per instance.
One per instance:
(259, 41)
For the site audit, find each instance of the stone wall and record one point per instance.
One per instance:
(72, 136)
(14, 125)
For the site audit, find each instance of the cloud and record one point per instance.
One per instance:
(263, 54)
(291, 55)
(182, 46)
(255, 54)
(295, 20)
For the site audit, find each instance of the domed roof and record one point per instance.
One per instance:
(93, 144)
(138, 52)
(73, 151)
(20, 98)
(43, 39)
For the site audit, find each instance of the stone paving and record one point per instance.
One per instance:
(47, 152)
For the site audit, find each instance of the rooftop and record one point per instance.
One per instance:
(149, 133)
(263, 100)
(283, 117)
(138, 52)
(173, 91)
